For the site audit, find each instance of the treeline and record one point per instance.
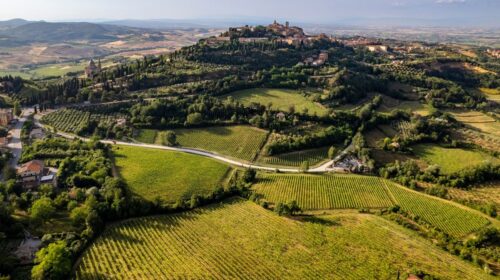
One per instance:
(329, 136)
(442, 93)
(408, 173)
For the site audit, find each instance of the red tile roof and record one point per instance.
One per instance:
(32, 166)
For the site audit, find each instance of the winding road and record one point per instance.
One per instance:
(326, 167)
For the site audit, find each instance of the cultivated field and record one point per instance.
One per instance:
(479, 121)
(241, 240)
(242, 142)
(451, 160)
(483, 195)
(314, 192)
(450, 218)
(491, 94)
(70, 120)
(390, 104)
(281, 99)
(324, 191)
(167, 175)
(295, 159)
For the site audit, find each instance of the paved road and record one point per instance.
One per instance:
(15, 145)
(320, 169)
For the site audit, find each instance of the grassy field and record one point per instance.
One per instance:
(491, 94)
(374, 137)
(314, 192)
(451, 160)
(482, 195)
(281, 99)
(295, 159)
(243, 142)
(241, 240)
(147, 136)
(478, 121)
(167, 175)
(390, 104)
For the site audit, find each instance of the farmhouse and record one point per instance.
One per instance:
(31, 173)
(6, 116)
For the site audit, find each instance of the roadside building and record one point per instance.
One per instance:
(37, 133)
(31, 173)
(4, 141)
(49, 179)
(6, 116)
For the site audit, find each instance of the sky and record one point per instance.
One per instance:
(307, 11)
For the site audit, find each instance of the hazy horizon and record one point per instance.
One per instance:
(391, 12)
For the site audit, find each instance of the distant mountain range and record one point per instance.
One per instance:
(18, 31)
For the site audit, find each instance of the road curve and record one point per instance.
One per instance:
(326, 167)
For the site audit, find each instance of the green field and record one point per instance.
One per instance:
(295, 159)
(147, 136)
(324, 191)
(242, 142)
(167, 175)
(281, 99)
(451, 159)
(241, 240)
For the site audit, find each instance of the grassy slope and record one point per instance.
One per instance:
(281, 99)
(479, 121)
(240, 240)
(243, 142)
(451, 160)
(168, 175)
(147, 136)
(484, 194)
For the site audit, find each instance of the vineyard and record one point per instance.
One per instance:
(70, 120)
(314, 192)
(324, 192)
(242, 142)
(402, 70)
(167, 175)
(241, 240)
(295, 159)
(404, 128)
(448, 217)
